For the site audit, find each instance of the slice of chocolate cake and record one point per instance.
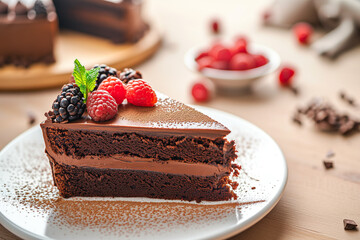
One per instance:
(28, 30)
(169, 151)
(148, 145)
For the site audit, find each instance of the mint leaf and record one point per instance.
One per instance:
(85, 80)
(91, 77)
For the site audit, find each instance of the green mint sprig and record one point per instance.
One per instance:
(85, 80)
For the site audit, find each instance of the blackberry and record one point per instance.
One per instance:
(104, 72)
(40, 9)
(128, 74)
(69, 104)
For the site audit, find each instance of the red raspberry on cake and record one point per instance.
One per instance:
(303, 32)
(242, 61)
(115, 87)
(285, 76)
(140, 93)
(101, 106)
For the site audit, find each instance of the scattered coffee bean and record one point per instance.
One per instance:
(328, 164)
(252, 188)
(349, 224)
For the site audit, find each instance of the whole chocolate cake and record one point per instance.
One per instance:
(28, 28)
(168, 150)
(117, 20)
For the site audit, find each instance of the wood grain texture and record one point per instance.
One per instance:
(315, 200)
(88, 49)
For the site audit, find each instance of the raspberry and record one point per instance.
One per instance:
(285, 76)
(303, 32)
(129, 74)
(214, 48)
(115, 87)
(242, 61)
(201, 55)
(101, 106)
(266, 15)
(222, 54)
(221, 65)
(140, 93)
(200, 92)
(204, 62)
(240, 46)
(260, 60)
(68, 105)
(104, 72)
(215, 26)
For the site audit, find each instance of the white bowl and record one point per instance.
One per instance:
(235, 79)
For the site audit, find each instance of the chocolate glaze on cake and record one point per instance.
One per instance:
(167, 151)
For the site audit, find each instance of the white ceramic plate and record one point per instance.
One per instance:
(31, 208)
(235, 79)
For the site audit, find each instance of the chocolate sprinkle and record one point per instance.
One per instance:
(294, 90)
(347, 98)
(297, 119)
(326, 118)
(328, 164)
(31, 118)
(349, 224)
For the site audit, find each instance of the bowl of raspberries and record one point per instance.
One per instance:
(232, 65)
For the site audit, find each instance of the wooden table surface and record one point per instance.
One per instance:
(315, 200)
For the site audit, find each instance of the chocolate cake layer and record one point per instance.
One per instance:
(78, 144)
(119, 21)
(91, 182)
